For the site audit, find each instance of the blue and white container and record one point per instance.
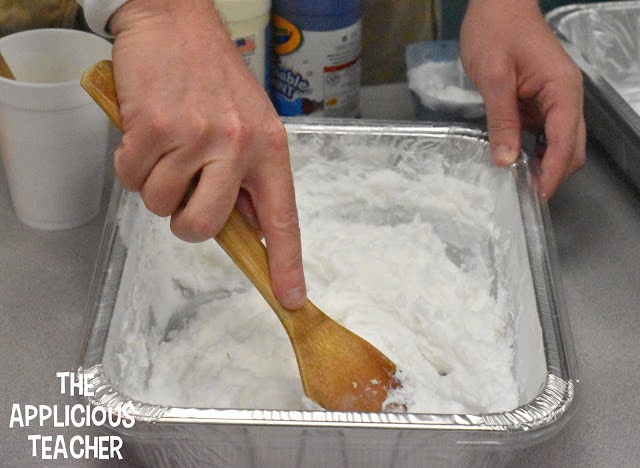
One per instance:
(316, 52)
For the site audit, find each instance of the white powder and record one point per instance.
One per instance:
(444, 86)
(383, 255)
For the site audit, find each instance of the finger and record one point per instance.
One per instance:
(565, 152)
(168, 183)
(208, 207)
(580, 155)
(278, 217)
(141, 147)
(503, 120)
(244, 204)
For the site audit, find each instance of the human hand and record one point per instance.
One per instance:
(526, 81)
(191, 109)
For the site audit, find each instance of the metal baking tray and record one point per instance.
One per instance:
(544, 361)
(603, 39)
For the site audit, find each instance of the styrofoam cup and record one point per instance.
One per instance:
(53, 136)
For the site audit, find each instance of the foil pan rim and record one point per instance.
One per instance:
(553, 402)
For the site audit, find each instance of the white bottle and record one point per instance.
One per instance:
(248, 24)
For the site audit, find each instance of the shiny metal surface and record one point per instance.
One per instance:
(233, 437)
(604, 41)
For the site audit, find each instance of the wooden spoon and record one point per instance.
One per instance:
(5, 70)
(339, 370)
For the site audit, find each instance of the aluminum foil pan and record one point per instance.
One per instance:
(603, 39)
(544, 363)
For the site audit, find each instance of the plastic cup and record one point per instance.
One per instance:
(53, 137)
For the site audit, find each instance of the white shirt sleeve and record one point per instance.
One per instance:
(98, 12)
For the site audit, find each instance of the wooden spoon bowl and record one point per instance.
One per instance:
(339, 370)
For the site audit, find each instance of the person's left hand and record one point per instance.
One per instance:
(527, 81)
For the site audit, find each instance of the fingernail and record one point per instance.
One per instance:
(502, 155)
(295, 297)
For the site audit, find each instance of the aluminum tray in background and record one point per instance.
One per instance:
(604, 41)
(177, 436)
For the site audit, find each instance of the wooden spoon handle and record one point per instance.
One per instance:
(99, 82)
(237, 237)
(241, 242)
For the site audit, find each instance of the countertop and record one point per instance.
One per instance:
(45, 279)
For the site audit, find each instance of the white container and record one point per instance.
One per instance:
(248, 24)
(53, 137)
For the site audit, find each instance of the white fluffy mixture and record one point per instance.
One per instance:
(381, 257)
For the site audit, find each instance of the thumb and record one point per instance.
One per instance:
(503, 121)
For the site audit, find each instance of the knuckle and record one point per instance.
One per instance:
(498, 124)
(287, 222)
(576, 76)
(126, 172)
(157, 203)
(241, 134)
(286, 225)
(200, 129)
(567, 83)
(235, 130)
(159, 124)
(572, 74)
(196, 228)
(203, 226)
(494, 75)
(291, 263)
(578, 161)
(275, 135)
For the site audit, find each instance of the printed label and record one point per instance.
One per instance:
(316, 72)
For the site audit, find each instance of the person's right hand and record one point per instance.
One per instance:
(192, 109)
